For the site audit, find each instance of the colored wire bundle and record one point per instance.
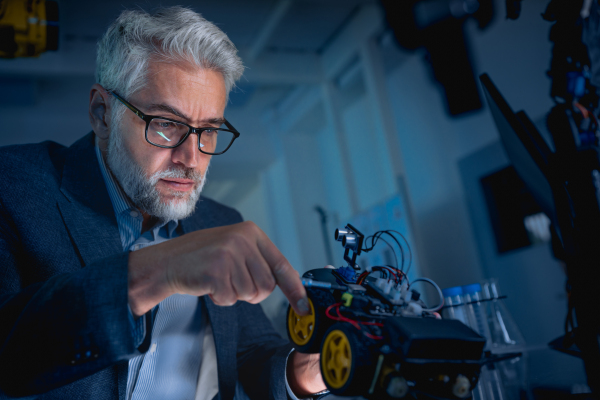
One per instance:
(354, 323)
(387, 273)
(369, 246)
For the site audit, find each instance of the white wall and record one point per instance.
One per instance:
(515, 54)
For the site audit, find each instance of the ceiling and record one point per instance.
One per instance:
(305, 26)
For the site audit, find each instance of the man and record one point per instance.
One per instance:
(114, 276)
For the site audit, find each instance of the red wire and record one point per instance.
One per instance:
(340, 317)
(371, 323)
(362, 277)
(374, 337)
(393, 273)
(354, 323)
(584, 111)
(329, 309)
(344, 319)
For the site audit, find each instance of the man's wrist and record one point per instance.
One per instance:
(303, 375)
(147, 285)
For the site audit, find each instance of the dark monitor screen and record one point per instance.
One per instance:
(525, 147)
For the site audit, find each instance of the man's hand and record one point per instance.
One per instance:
(230, 263)
(304, 374)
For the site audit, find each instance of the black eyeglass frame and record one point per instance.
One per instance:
(147, 118)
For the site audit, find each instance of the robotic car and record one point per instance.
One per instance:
(376, 337)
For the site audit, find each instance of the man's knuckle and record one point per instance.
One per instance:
(281, 268)
(224, 298)
(268, 284)
(249, 294)
(222, 255)
(237, 241)
(271, 284)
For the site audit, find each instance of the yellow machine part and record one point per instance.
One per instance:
(385, 371)
(301, 327)
(347, 298)
(336, 359)
(24, 28)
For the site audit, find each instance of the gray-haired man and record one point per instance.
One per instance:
(143, 318)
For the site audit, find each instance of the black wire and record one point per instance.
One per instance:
(393, 251)
(366, 247)
(399, 246)
(377, 236)
(409, 249)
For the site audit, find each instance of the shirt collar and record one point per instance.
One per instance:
(119, 200)
(121, 203)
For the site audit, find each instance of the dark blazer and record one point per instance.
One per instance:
(64, 329)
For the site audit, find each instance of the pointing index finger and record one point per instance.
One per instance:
(285, 275)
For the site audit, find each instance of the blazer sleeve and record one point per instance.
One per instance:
(261, 355)
(63, 329)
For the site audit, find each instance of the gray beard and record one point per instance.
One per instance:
(142, 189)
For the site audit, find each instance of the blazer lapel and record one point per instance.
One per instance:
(86, 208)
(224, 327)
(88, 213)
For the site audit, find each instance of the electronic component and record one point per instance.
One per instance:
(376, 336)
(323, 285)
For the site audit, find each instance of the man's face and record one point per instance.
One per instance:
(166, 183)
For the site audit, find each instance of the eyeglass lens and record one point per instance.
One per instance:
(163, 132)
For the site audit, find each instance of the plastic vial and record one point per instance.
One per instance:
(475, 310)
(454, 306)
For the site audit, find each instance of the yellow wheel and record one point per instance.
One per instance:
(346, 362)
(306, 332)
(336, 359)
(301, 328)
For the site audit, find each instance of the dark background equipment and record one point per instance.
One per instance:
(565, 179)
(566, 184)
(438, 26)
(28, 27)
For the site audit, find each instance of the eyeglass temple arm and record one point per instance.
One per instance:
(229, 126)
(126, 104)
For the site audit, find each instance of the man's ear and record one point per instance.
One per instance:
(99, 111)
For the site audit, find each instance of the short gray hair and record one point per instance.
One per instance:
(174, 34)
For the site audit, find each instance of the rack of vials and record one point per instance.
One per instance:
(480, 307)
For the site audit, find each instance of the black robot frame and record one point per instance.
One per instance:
(377, 338)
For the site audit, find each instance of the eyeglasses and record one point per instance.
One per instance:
(169, 133)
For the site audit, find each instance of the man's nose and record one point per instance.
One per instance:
(187, 154)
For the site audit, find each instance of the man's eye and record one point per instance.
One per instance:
(210, 132)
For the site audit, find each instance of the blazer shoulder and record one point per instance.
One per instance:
(26, 165)
(222, 214)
